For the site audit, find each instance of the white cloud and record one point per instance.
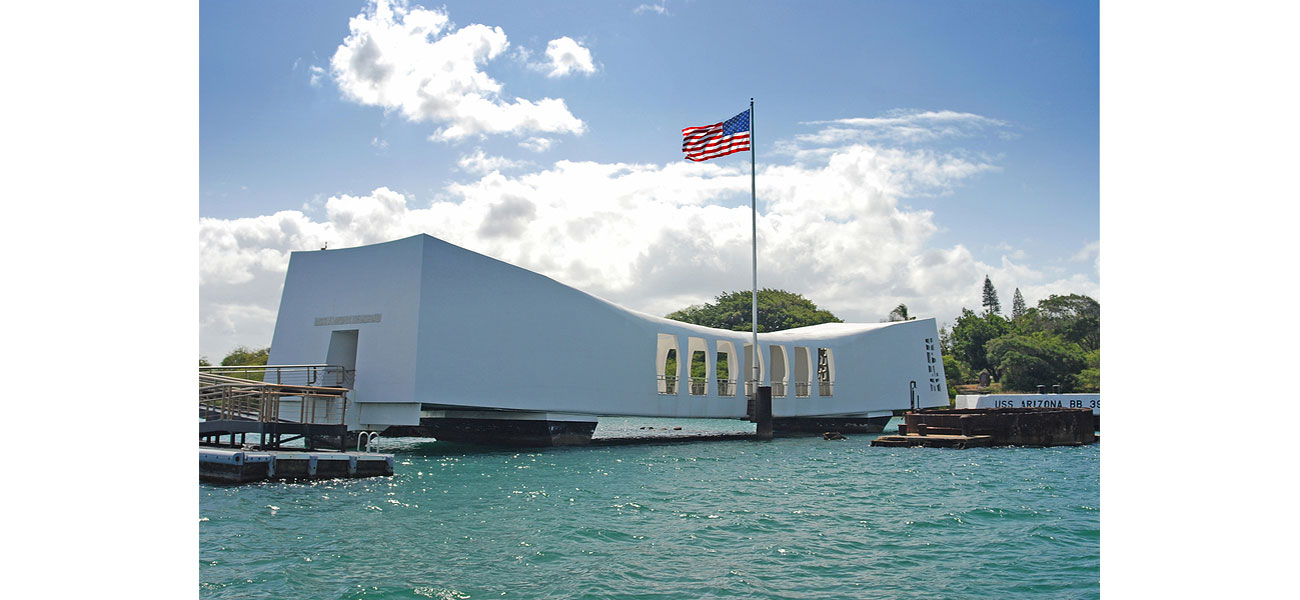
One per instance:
(1091, 250)
(661, 8)
(316, 74)
(1074, 284)
(567, 56)
(480, 163)
(413, 61)
(537, 144)
(1011, 252)
(651, 237)
(900, 127)
(378, 143)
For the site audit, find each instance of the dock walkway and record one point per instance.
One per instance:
(220, 465)
(234, 402)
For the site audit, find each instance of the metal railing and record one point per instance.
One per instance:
(726, 387)
(237, 402)
(222, 397)
(668, 385)
(698, 385)
(316, 375)
(779, 388)
(825, 388)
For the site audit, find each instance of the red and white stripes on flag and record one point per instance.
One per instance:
(719, 139)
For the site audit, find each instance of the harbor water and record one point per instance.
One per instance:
(797, 517)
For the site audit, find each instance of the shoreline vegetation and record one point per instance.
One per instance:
(1057, 342)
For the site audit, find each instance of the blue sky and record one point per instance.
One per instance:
(904, 149)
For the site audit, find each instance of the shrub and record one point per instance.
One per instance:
(1028, 361)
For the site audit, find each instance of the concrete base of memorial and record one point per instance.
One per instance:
(821, 425)
(501, 428)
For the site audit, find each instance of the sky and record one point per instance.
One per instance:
(903, 150)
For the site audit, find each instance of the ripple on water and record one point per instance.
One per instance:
(791, 518)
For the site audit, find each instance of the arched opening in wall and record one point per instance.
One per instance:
(666, 363)
(780, 375)
(751, 384)
(802, 372)
(825, 372)
(699, 353)
(726, 362)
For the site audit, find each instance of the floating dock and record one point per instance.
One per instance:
(221, 465)
(979, 427)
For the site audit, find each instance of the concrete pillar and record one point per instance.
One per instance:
(763, 412)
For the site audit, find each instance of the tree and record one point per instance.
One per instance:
(971, 333)
(244, 356)
(777, 310)
(1089, 379)
(1017, 305)
(1074, 317)
(697, 366)
(953, 374)
(203, 362)
(1025, 362)
(991, 304)
(945, 339)
(899, 314)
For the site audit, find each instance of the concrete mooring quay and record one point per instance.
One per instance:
(974, 427)
(222, 465)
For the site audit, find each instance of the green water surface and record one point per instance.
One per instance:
(790, 518)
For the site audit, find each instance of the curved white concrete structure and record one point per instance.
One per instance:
(435, 331)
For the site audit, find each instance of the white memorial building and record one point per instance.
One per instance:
(459, 346)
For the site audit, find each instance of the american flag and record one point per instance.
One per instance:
(719, 139)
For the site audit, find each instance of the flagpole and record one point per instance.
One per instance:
(753, 206)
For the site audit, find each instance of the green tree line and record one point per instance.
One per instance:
(1058, 342)
(777, 310)
(243, 356)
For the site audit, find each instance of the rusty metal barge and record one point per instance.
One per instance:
(977, 427)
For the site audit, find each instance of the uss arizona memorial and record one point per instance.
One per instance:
(460, 346)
